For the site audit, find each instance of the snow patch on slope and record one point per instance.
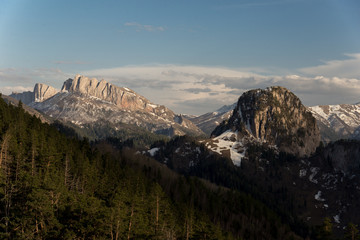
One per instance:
(153, 151)
(318, 197)
(227, 143)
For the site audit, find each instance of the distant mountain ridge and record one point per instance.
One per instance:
(41, 93)
(84, 102)
(337, 121)
(209, 121)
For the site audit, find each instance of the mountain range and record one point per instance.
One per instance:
(268, 145)
(335, 122)
(85, 102)
(112, 106)
(273, 142)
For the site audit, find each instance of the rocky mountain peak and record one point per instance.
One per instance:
(67, 84)
(43, 92)
(89, 103)
(84, 85)
(276, 116)
(124, 98)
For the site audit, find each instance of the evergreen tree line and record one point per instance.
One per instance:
(54, 187)
(263, 187)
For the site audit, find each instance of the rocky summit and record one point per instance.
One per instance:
(93, 104)
(122, 97)
(274, 116)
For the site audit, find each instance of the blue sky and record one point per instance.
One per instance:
(133, 43)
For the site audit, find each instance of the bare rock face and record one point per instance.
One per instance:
(124, 98)
(276, 116)
(43, 92)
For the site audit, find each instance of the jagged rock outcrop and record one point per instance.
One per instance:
(41, 93)
(122, 97)
(275, 116)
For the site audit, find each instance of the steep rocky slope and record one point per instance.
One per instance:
(273, 117)
(337, 121)
(43, 92)
(83, 101)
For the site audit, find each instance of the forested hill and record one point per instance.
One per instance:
(55, 187)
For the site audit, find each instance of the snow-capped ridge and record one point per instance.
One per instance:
(209, 121)
(337, 121)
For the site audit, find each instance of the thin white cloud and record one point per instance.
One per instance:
(7, 90)
(141, 27)
(198, 89)
(347, 68)
(181, 87)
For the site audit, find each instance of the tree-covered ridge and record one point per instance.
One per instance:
(52, 187)
(56, 187)
(271, 180)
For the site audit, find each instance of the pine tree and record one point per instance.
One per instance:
(352, 232)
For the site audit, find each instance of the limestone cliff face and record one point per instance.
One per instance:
(43, 92)
(276, 116)
(124, 98)
(86, 101)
